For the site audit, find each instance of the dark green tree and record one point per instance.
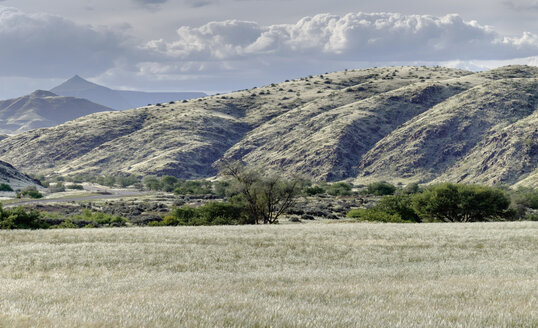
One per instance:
(461, 203)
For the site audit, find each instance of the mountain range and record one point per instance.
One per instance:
(117, 99)
(42, 109)
(400, 124)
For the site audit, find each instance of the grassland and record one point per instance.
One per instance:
(309, 275)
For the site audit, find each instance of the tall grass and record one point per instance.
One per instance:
(315, 275)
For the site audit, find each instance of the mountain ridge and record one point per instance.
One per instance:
(42, 109)
(401, 124)
(78, 87)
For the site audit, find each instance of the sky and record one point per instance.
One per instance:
(225, 45)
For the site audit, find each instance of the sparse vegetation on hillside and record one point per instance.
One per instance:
(400, 124)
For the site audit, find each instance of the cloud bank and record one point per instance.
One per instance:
(360, 36)
(41, 45)
(222, 55)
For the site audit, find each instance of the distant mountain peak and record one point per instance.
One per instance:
(76, 83)
(117, 99)
(76, 77)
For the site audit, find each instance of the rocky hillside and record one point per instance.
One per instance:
(14, 178)
(117, 99)
(42, 109)
(402, 124)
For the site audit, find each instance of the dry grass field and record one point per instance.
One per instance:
(310, 275)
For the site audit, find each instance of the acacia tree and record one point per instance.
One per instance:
(265, 197)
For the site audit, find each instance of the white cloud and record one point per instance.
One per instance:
(360, 37)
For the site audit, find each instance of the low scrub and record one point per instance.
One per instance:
(445, 202)
(213, 213)
(21, 218)
(98, 219)
(381, 188)
(375, 214)
(5, 187)
(30, 192)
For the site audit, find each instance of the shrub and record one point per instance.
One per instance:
(67, 224)
(223, 188)
(194, 187)
(461, 203)
(57, 187)
(168, 180)
(31, 192)
(526, 197)
(339, 189)
(381, 188)
(314, 190)
(75, 187)
(151, 182)
(126, 181)
(20, 218)
(374, 214)
(5, 187)
(412, 188)
(213, 213)
(99, 218)
(402, 205)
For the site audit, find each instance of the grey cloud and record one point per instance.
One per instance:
(155, 4)
(41, 45)
(522, 5)
(150, 2)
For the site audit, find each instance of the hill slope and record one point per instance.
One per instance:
(14, 178)
(42, 109)
(117, 99)
(399, 124)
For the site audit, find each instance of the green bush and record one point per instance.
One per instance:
(213, 213)
(223, 188)
(31, 192)
(126, 181)
(67, 224)
(152, 182)
(374, 214)
(525, 197)
(381, 188)
(20, 218)
(75, 187)
(194, 187)
(100, 218)
(412, 188)
(462, 203)
(402, 205)
(57, 187)
(315, 190)
(339, 189)
(108, 181)
(5, 187)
